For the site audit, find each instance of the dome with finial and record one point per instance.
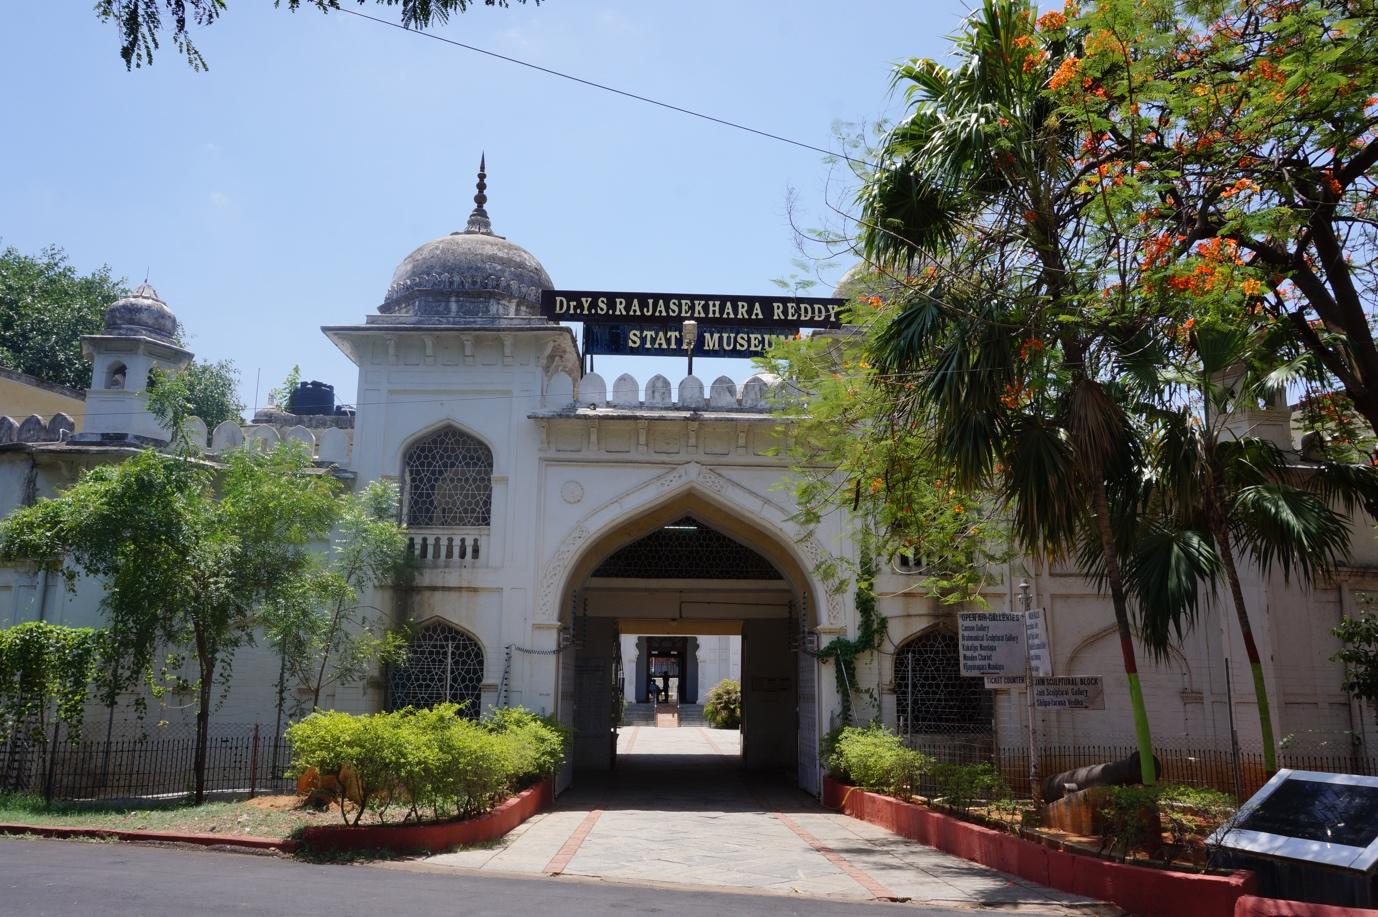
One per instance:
(468, 277)
(142, 314)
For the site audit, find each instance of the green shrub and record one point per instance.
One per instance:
(723, 708)
(1131, 817)
(1190, 814)
(961, 786)
(425, 760)
(1136, 815)
(874, 759)
(539, 742)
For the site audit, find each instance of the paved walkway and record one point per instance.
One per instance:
(679, 811)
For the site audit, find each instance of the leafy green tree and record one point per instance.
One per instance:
(1359, 634)
(1249, 130)
(141, 22)
(213, 391)
(202, 389)
(188, 554)
(324, 633)
(282, 395)
(45, 308)
(849, 453)
(1004, 346)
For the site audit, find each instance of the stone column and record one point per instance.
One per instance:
(690, 688)
(643, 671)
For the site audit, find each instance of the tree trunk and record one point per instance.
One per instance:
(1222, 544)
(1115, 578)
(282, 699)
(206, 661)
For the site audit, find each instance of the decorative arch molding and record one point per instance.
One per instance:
(688, 479)
(943, 626)
(447, 479)
(1175, 654)
(446, 662)
(932, 696)
(398, 458)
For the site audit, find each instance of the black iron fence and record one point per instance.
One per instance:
(240, 759)
(1240, 774)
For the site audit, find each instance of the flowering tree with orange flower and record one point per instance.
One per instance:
(1251, 130)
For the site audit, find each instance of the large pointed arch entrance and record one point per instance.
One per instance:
(688, 564)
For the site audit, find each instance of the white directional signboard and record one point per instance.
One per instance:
(991, 642)
(1040, 650)
(1040, 653)
(1070, 692)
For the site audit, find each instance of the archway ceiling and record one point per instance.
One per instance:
(686, 549)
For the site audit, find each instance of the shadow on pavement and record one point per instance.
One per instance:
(685, 783)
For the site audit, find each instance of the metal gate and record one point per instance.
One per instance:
(807, 705)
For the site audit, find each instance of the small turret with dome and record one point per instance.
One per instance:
(142, 314)
(139, 336)
(473, 277)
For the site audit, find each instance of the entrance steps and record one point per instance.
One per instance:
(664, 715)
(639, 715)
(691, 715)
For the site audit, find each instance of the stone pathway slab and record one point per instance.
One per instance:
(678, 810)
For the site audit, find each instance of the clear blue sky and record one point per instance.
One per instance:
(278, 191)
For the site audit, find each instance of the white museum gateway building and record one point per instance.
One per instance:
(583, 548)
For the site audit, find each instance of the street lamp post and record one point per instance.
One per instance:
(690, 337)
(1026, 602)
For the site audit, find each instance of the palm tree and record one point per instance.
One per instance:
(1002, 346)
(1215, 493)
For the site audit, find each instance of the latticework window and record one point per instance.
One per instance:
(930, 693)
(687, 549)
(443, 664)
(449, 481)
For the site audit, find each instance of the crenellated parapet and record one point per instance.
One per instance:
(37, 429)
(724, 418)
(328, 438)
(760, 394)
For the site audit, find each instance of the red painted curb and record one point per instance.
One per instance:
(1253, 906)
(1141, 891)
(430, 838)
(176, 837)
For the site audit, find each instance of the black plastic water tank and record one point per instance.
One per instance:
(312, 398)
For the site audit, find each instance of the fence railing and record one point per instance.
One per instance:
(1240, 775)
(245, 759)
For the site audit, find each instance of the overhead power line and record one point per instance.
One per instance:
(606, 88)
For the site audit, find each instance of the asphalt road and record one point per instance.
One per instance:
(49, 878)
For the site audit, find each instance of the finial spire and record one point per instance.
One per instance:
(478, 220)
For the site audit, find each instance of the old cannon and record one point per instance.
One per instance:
(1114, 773)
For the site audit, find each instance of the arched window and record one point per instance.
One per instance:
(115, 375)
(449, 481)
(443, 664)
(931, 696)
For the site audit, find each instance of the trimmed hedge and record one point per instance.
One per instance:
(434, 761)
(874, 758)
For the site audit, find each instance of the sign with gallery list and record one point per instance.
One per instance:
(1070, 692)
(1040, 652)
(1038, 647)
(991, 642)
